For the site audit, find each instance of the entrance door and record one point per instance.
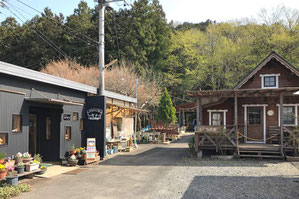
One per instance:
(32, 133)
(255, 123)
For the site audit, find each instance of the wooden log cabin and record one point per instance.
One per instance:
(247, 119)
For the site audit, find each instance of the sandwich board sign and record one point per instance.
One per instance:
(91, 149)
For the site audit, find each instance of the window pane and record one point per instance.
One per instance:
(288, 115)
(270, 81)
(16, 123)
(48, 128)
(217, 119)
(75, 116)
(81, 124)
(68, 133)
(3, 138)
(254, 116)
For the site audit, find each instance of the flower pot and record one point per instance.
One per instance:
(27, 160)
(2, 160)
(84, 157)
(31, 167)
(43, 171)
(293, 158)
(3, 173)
(20, 169)
(12, 180)
(73, 162)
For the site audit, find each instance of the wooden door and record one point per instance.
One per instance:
(32, 133)
(255, 123)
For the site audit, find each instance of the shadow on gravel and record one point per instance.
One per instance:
(242, 187)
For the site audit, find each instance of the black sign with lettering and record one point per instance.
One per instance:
(67, 117)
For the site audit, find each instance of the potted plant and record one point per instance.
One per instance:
(9, 162)
(20, 168)
(3, 171)
(19, 158)
(73, 161)
(38, 158)
(43, 169)
(83, 152)
(2, 157)
(73, 150)
(27, 157)
(33, 165)
(12, 177)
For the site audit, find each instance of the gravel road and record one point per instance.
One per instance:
(166, 171)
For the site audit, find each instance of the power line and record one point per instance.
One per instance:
(40, 34)
(87, 37)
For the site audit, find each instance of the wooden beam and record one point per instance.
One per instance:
(197, 111)
(236, 122)
(281, 121)
(200, 111)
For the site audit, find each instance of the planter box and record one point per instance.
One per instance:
(31, 167)
(293, 158)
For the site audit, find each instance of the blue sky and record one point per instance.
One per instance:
(177, 10)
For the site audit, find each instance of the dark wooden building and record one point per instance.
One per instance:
(256, 117)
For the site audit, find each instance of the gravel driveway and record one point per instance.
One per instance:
(166, 171)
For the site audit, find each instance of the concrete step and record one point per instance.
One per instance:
(262, 156)
(268, 152)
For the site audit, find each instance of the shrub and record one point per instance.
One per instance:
(191, 144)
(8, 191)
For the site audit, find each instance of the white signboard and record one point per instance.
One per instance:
(91, 149)
(94, 114)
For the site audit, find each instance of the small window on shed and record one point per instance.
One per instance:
(48, 128)
(16, 123)
(81, 124)
(68, 132)
(75, 116)
(3, 139)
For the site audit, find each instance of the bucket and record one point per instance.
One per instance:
(12, 180)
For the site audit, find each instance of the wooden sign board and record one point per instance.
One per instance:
(91, 150)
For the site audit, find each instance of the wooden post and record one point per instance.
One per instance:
(236, 122)
(200, 112)
(197, 111)
(180, 118)
(184, 117)
(281, 121)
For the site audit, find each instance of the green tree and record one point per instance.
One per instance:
(166, 111)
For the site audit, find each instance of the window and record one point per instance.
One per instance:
(270, 81)
(289, 115)
(48, 128)
(16, 123)
(75, 116)
(217, 119)
(81, 124)
(68, 132)
(254, 116)
(3, 139)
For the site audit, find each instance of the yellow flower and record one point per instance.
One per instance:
(34, 161)
(2, 167)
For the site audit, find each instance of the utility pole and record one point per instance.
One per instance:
(102, 5)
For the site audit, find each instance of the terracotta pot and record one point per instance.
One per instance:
(84, 156)
(73, 151)
(27, 160)
(3, 173)
(2, 160)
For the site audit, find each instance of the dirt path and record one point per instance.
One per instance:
(166, 171)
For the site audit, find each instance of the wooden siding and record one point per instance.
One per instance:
(286, 78)
(229, 105)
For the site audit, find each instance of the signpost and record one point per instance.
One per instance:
(91, 150)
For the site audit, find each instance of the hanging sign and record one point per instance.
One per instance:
(67, 117)
(94, 114)
(91, 150)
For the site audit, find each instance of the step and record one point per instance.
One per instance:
(272, 152)
(262, 156)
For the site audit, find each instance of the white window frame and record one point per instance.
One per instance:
(296, 114)
(264, 118)
(269, 75)
(216, 111)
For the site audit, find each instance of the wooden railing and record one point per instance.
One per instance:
(215, 137)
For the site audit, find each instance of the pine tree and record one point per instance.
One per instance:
(166, 111)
